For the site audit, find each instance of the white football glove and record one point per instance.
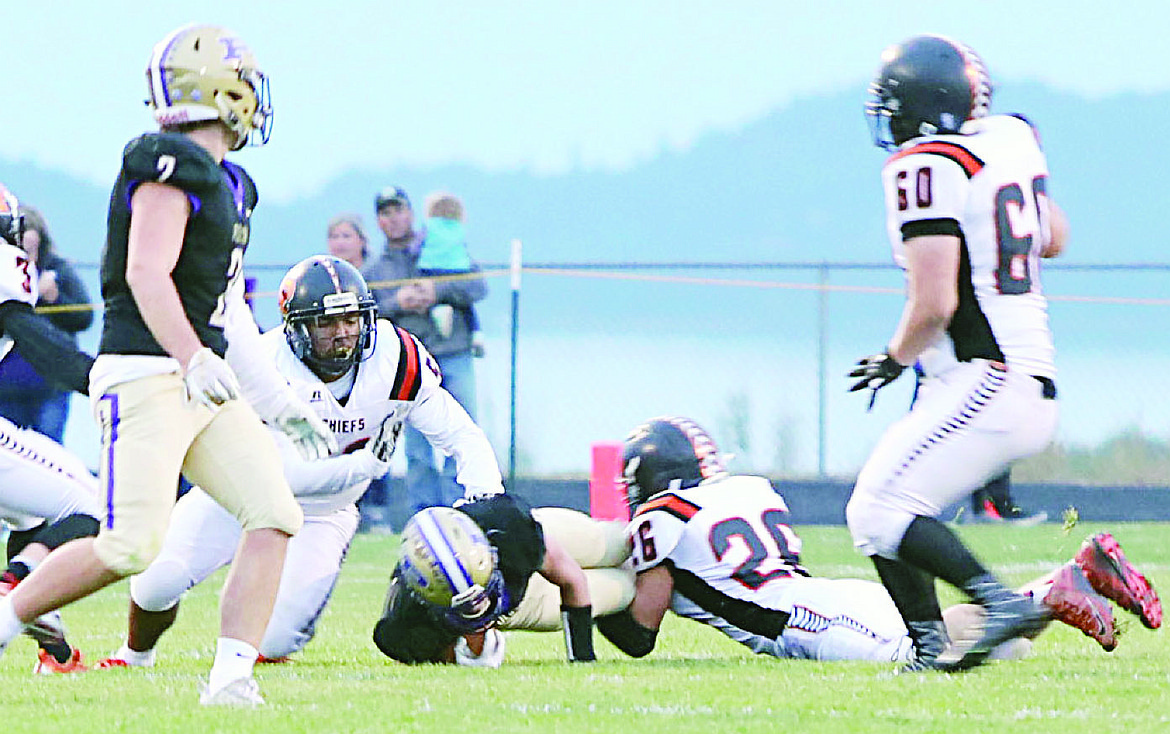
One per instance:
(492, 655)
(209, 380)
(383, 442)
(307, 431)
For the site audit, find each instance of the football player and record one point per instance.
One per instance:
(466, 573)
(366, 379)
(969, 216)
(47, 496)
(719, 549)
(165, 398)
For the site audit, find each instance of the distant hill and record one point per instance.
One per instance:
(798, 184)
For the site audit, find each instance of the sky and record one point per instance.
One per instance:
(545, 86)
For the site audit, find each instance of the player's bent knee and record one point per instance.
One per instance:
(161, 585)
(284, 515)
(127, 555)
(877, 528)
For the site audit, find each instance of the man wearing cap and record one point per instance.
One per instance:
(406, 299)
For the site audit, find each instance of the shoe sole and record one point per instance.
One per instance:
(1074, 606)
(1122, 582)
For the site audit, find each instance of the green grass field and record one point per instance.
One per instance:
(696, 680)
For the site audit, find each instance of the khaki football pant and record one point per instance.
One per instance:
(600, 547)
(151, 433)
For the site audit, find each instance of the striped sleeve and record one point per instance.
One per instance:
(408, 377)
(671, 504)
(968, 161)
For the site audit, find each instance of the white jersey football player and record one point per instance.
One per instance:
(47, 495)
(969, 217)
(718, 549)
(365, 378)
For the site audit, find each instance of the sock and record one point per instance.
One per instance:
(911, 589)
(60, 651)
(931, 546)
(234, 659)
(21, 567)
(144, 658)
(10, 625)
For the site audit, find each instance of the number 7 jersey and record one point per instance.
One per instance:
(728, 547)
(988, 187)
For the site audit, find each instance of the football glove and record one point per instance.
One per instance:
(307, 431)
(875, 372)
(382, 444)
(209, 380)
(492, 655)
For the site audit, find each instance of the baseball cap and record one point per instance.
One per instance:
(391, 195)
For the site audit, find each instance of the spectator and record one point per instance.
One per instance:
(406, 299)
(25, 398)
(347, 239)
(444, 252)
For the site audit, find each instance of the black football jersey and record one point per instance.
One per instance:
(508, 523)
(221, 197)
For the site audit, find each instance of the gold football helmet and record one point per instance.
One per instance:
(204, 72)
(449, 562)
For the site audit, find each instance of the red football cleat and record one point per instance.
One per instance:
(1072, 600)
(48, 665)
(1113, 576)
(107, 663)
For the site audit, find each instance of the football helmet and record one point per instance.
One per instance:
(449, 563)
(926, 85)
(11, 218)
(204, 72)
(667, 454)
(324, 286)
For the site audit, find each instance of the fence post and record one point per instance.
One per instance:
(516, 268)
(606, 500)
(822, 363)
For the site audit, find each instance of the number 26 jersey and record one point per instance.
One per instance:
(726, 542)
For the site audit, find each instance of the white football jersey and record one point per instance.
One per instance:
(988, 187)
(401, 382)
(18, 282)
(728, 544)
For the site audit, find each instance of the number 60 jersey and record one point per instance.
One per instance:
(988, 187)
(727, 545)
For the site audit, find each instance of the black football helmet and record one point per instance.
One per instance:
(926, 85)
(11, 219)
(667, 454)
(322, 286)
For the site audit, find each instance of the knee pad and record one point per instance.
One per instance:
(66, 529)
(161, 585)
(877, 528)
(610, 589)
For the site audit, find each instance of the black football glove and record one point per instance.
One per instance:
(875, 372)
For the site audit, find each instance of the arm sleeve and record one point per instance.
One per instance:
(439, 417)
(50, 351)
(326, 485)
(260, 382)
(72, 292)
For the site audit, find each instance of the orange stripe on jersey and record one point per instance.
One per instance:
(672, 504)
(408, 378)
(970, 162)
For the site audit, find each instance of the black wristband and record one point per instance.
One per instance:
(578, 624)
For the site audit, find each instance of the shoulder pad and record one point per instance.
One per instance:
(671, 504)
(968, 161)
(251, 195)
(170, 159)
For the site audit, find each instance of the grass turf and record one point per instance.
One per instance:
(696, 680)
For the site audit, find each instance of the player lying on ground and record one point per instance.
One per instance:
(365, 378)
(718, 549)
(466, 573)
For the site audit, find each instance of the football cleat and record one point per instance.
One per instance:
(1114, 577)
(1073, 601)
(48, 665)
(47, 629)
(1008, 615)
(240, 692)
(281, 660)
(8, 582)
(107, 663)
